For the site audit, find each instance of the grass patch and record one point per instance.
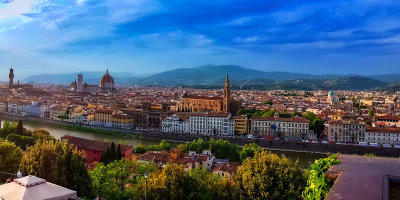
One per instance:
(95, 130)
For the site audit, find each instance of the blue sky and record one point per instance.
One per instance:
(148, 36)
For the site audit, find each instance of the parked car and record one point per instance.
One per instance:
(374, 144)
(397, 146)
(363, 144)
(324, 142)
(387, 145)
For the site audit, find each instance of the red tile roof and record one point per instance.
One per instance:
(382, 130)
(229, 167)
(387, 117)
(95, 145)
(293, 119)
(210, 114)
(202, 97)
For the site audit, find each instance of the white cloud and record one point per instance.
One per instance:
(16, 8)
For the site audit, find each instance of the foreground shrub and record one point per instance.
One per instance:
(318, 185)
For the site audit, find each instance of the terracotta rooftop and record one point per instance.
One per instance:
(387, 117)
(229, 167)
(202, 97)
(210, 114)
(95, 145)
(382, 130)
(293, 119)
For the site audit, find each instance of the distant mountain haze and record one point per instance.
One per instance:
(88, 77)
(240, 77)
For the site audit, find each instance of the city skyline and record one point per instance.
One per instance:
(147, 36)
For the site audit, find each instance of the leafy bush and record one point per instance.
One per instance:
(21, 141)
(269, 176)
(318, 185)
(369, 155)
(220, 148)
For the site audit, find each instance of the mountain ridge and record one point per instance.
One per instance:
(213, 75)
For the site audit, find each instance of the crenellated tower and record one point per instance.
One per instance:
(11, 76)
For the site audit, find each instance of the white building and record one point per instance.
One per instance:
(12, 108)
(3, 106)
(211, 123)
(383, 135)
(175, 124)
(20, 108)
(44, 111)
(34, 109)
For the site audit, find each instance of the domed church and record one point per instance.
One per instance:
(107, 83)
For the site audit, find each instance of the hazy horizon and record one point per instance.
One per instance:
(150, 36)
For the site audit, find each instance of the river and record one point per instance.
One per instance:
(57, 131)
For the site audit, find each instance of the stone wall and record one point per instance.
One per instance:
(285, 145)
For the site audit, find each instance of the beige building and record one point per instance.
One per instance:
(345, 131)
(280, 127)
(386, 121)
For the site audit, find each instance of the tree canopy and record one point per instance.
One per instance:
(10, 158)
(59, 163)
(220, 148)
(269, 176)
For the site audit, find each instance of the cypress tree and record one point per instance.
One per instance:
(20, 128)
(119, 154)
(113, 153)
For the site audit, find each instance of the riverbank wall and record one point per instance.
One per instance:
(286, 145)
(241, 141)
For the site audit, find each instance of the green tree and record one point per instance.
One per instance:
(317, 126)
(171, 183)
(140, 149)
(268, 102)
(42, 134)
(371, 112)
(59, 163)
(316, 123)
(206, 185)
(249, 150)
(113, 152)
(10, 158)
(21, 141)
(269, 176)
(119, 154)
(220, 148)
(20, 128)
(113, 180)
(7, 129)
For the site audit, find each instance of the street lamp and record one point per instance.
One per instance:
(146, 175)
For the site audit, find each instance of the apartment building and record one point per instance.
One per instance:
(382, 135)
(215, 123)
(295, 127)
(345, 131)
(175, 124)
(242, 125)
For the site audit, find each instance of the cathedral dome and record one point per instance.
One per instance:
(107, 82)
(107, 79)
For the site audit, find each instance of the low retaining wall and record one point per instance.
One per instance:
(285, 145)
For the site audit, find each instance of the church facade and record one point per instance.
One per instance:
(191, 103)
